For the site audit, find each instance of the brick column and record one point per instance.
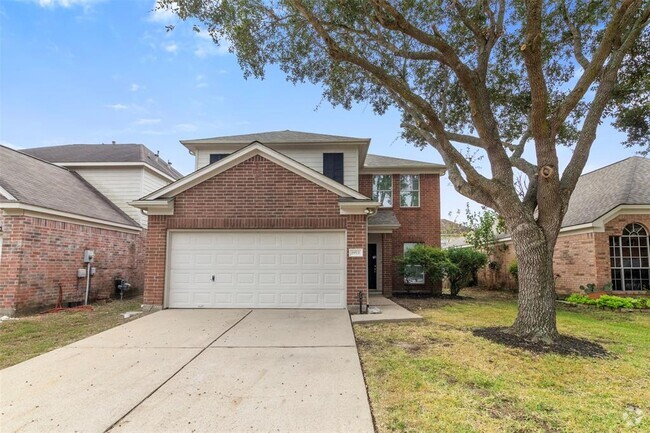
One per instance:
(387, 262)
(12, 257)
(154, 274)
(357, 266)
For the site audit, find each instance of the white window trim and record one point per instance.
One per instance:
(392, 194)
(406, 280)
(411, 191)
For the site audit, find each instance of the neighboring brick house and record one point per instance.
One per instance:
(287, 220)
(50, 215)
(604, 236)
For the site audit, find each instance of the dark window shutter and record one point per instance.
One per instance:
(333, 166)
(214, 157)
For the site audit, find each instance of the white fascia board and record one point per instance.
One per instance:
(5, 194)
(42, 212)
(364, 207)
(155, 207)
(403, 170)
(242, 155)
(115, 164)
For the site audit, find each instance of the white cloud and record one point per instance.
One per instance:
(163, 15)
(116, 107)
(200, 81)
(141, 122)
(135, 87)
(205, 45)
(66, 3)
(171, 48)
(185, 127)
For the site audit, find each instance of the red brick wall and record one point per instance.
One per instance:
(256, 194)
(39, 254)
(417, 224)
(574, 262)
(387, 259)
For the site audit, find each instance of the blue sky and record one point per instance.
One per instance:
(93, 71)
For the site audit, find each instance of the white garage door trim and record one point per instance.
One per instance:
(315, 270)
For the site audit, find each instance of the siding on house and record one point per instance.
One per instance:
(312, 157)
(124, 184)
(119, 184)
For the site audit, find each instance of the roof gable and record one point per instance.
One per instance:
(38, 183)
(103, 153)
(596, 193)
(274, 137)
(244, 154)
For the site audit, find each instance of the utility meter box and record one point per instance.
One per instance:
(89, 256)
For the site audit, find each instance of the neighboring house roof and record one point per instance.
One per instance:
(383, 218)
(28, 180)
(448, 227)
(380, 161)
(273, 137)
(626, 182)
(103, 153)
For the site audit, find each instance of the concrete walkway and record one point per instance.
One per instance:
(196, 370)
(390, 312)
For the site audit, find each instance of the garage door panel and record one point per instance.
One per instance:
(257, 269)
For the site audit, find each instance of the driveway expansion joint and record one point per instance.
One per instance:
(176, 373)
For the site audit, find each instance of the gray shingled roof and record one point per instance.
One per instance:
(598, 192)
(276, 137)
(379, 161)
(383, 218)
(102, 153)
(39, 183)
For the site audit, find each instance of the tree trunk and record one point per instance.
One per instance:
(536, 319)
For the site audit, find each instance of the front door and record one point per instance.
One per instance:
(372, 266)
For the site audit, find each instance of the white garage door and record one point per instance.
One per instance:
(257, 269)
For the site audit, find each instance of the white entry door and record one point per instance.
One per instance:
(257, 269)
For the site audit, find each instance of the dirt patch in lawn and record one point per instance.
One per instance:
(566, 345)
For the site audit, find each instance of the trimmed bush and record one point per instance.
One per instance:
(609, 301)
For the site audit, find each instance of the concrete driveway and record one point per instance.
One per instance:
(196, 371)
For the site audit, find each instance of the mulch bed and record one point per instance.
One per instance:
(564, 346)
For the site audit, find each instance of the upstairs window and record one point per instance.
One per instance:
(382, 189)
(333, 166)
(629, 257)
(409, 190)
(214, 157)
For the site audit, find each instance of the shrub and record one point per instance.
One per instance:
(513, 269)
(457, 264)
(580, 299)
(463, 264)
(433, 261)
(608, 301)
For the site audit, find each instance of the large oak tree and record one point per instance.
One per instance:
(511, 80)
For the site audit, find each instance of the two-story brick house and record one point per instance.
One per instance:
(287, 220)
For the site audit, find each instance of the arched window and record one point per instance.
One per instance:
(630, 258)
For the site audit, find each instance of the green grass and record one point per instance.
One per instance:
(436, 376)
(30, 336)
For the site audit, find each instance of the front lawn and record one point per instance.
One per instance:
(30, 336)
(436, 376)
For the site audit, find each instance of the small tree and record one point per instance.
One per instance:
(483, 228)
(420, 259)
(463, 264)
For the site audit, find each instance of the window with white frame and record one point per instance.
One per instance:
(382, 189)
(629, 257)
(409, 190)
(415, 272)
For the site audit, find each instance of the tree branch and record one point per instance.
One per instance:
(577, 37)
